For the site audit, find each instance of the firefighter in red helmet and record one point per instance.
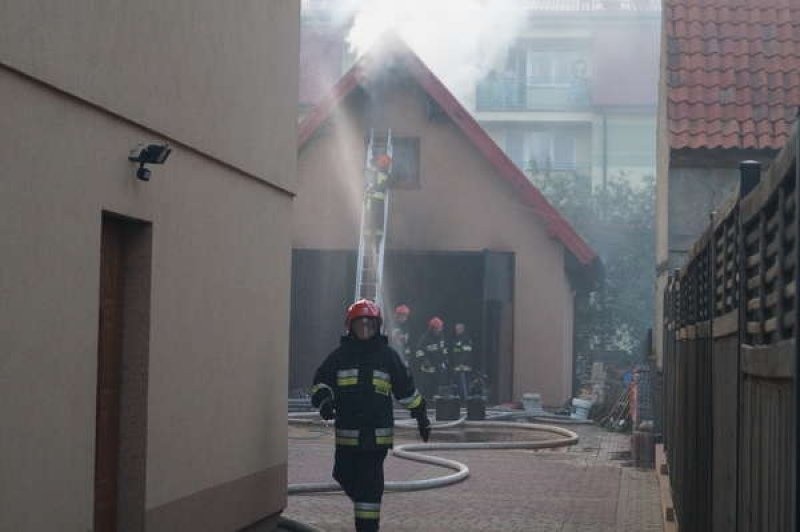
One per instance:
(355, 385)
(430, 358)
(378, 177)
(383, 162)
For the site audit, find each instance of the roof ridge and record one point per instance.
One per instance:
(527, 192)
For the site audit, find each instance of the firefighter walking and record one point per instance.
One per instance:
(355, 385)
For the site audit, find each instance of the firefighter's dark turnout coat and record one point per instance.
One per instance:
(461, 363)
(362, 377)
(430, 362)
(461, 353)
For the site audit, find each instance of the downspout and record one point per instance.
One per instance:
(575, 383)
(605, 151)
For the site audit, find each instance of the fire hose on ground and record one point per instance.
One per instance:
(414, 451)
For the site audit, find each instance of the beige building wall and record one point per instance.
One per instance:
(662, 207)
(194, 70)
(82, 84)
(462, 205)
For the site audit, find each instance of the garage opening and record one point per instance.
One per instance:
(472, 287)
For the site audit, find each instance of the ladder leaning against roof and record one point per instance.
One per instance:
(374, 218)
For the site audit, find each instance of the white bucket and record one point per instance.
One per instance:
(532, 403)
(582, 407)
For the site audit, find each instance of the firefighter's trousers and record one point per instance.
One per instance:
(360, 474)
(427, 383)
(462, 380)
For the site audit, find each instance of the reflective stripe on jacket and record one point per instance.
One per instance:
(461, 353)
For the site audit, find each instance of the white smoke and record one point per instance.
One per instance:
(459, 40)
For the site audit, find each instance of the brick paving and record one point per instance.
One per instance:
(587, 487)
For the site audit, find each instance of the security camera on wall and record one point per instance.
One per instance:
(150, 154)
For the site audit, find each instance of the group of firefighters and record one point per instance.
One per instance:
(439, 364)
(357, 383)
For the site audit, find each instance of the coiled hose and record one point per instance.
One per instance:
(413, 451)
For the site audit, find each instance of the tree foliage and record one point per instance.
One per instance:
(617, 221)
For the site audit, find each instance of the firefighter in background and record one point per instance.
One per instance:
(399, 337)
(430, 359)
(377, 183)
(355, 385)
(460, 355)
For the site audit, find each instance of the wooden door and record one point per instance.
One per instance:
(109, 358)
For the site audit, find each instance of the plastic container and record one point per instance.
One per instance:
(448, 408)
(532, 403)
(476, 408)
(582, 407)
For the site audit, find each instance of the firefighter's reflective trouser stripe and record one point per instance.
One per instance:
(384, 436)
(350, 437)
(367, 510)
(360, 473)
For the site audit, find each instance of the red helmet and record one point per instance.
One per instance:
(436, 323)
(363, 308)
(383, 161)
(402, 309)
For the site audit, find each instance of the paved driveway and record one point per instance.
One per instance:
(588, 487)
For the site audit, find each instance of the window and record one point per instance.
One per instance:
(405, 160)
(564, 152)
(544, 151)
(539, 150)
(554, 67)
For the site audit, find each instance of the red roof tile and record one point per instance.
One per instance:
(733, 72)
(506, 169)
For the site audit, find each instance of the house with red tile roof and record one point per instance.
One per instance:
(469, 238)
(729, 92)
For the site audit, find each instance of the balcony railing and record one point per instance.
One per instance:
(500, 95)
(512, 94)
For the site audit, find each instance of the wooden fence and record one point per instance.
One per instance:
(730, 361)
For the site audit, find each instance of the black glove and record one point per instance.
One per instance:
(423, 423)
(327, 410)
(424, 428)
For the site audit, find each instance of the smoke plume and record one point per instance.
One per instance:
(459, 40)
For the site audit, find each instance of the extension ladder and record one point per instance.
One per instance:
(374, 218)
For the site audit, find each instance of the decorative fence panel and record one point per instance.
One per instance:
(730, 361)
